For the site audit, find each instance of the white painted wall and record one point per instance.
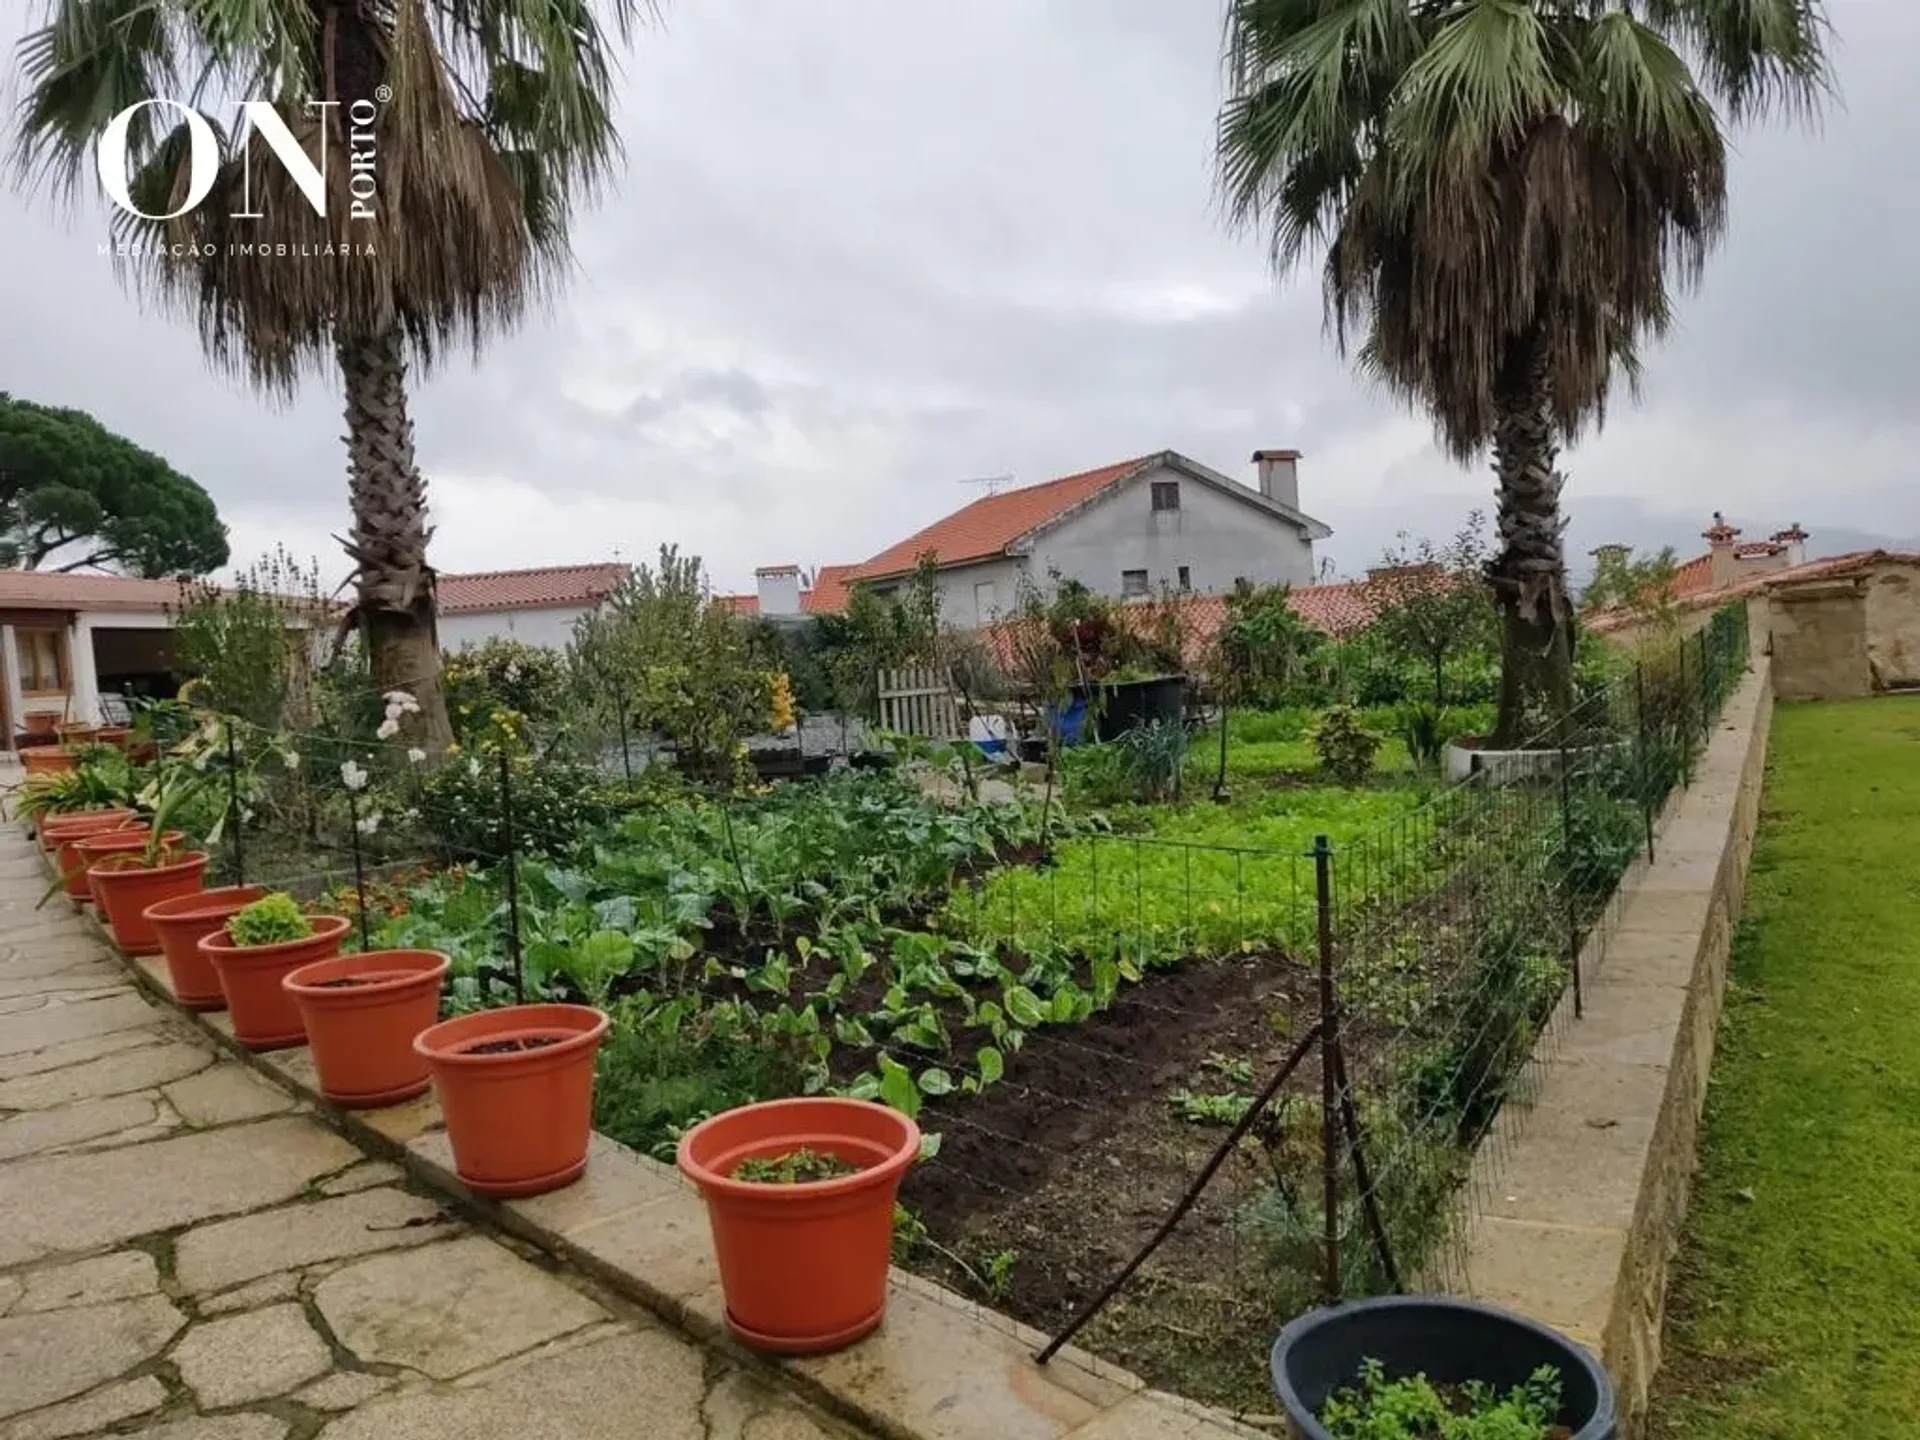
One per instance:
(966, 591)
(1215, 536)
(551, 626)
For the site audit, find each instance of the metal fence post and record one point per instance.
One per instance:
(234, 821)
(1646, 753)
(1329, 1092)
(626, 750)
(1684, 731)
(1567, 876)
(513, 879)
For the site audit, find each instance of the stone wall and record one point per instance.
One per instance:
(1850, 635)
(1583, 1185)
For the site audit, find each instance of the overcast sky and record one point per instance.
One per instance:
(865, 250)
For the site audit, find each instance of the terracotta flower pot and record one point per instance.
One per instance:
(181, 923)
(264, 1015)
(361, 1014)
(127, 885)
(803, 1266)
(116, 735)
(90, 850)
(516, 1088)
(42, 722)
(49, 759)
(71, 864)
(55, 828)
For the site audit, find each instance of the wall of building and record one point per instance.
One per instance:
(1820, 641)
(551, 626)
(1893, 626)
(974, 594)
(1215, 536)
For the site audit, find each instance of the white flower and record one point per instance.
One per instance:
(473, 765)
(416, 755)
(292, 759)
(389, 728)
(399, 702)
(367, 824)
(352, 776)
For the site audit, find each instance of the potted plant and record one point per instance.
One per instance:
(1348, 1371)
(800, 1196)
(127, 871)
(516, 1088)
(259, 946)
(181, 924)
(361, 1014)
(48, 759)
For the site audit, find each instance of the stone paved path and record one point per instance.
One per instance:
(185, 1255)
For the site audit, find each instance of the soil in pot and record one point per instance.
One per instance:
(126, 886)
(361, 1014)
(181, 923)
(803, 1260)
(516, 1089)
(265, 1016)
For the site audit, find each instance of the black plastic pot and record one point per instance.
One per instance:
(1448, 1341)
(1128, 704)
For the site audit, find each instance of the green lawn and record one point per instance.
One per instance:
(1796, 1304)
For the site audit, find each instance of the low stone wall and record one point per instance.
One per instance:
(1583, 1185)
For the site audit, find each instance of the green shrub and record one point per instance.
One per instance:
(1426, 727)
(1345, 746)
(271, 920)
(1413, 1409)
(555, 802)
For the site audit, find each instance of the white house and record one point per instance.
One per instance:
(538, 607)
(1158, 522)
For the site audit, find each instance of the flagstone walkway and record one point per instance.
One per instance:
(185, 1254)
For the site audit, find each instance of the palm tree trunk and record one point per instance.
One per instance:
(1529, 575)
(389, 544)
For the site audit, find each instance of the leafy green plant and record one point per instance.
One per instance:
(997, 1272)
(1414, 1408)
(1426, 726)
(796, 1167)
(271, 920)
(1202, 1109)
(1344, 745)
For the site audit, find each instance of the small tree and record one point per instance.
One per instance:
(249, 646)
(1641, 587)
(1433, 602)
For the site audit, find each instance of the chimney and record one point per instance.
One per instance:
(779, 587)
(1795, 539)
(1611, 554)
(1279, 475)
(1723, 563)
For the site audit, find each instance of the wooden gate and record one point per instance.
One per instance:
(919, 702)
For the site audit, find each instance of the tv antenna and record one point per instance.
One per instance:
(989, 484)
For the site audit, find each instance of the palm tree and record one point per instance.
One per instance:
(451, 137)
(1507, 192)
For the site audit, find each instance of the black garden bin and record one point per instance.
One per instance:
(1125, 705)
(1449, 1341)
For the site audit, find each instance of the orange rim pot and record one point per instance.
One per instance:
(516, 1089)
(71, 824)
(361, 1014)
(127, 885)
(117, 736)
(181, 923)
(264, 1015)
(803, 1267)
(72, 865)
(49, 759)
(103, 845)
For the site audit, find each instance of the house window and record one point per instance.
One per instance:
(1166, 495)
(43, 661)
(1186, 579)
(1133, 582)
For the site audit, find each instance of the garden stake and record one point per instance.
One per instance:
(513, 881)
(359, 871)
(1329, 1099)
(1186, 1202)
(1573, 894)
(1646, 755)
(1362, 1172)
(233, 807)
(626, 752)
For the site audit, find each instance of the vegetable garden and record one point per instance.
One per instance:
(1078, 992)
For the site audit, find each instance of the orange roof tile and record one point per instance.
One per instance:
(739, 604)
(986, 527)
(829, 593)
(1701, 596)
(536, 589)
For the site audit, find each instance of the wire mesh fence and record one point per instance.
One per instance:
(1181, 1089)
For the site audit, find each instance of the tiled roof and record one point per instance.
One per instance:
(49, 590)
(986, 527)
(1338, 609)
(829, 593)
(1699, 596)
(536, 589)
(1694, 576)
(739, 604)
